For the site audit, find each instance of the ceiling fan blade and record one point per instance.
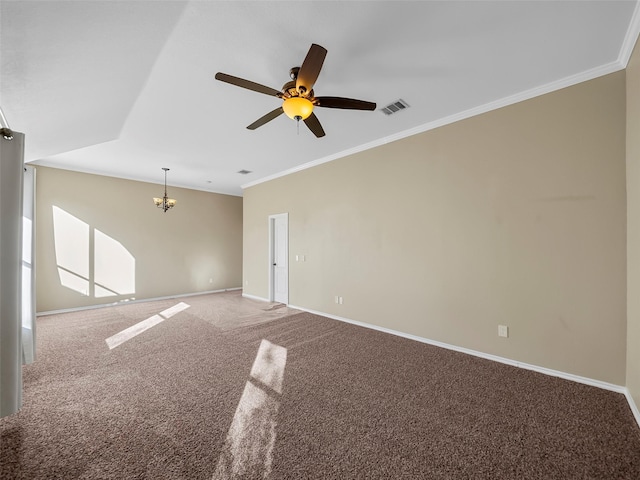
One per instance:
(314, 125)
(266, 118)
(241, 82)
(310, 69)
(347, 103)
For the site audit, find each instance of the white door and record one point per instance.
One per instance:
(279, 274)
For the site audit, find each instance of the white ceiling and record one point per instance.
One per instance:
(123, 88)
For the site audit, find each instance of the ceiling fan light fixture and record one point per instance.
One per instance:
(297, 108)
(298, 99)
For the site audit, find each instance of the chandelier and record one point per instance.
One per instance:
(165, 203)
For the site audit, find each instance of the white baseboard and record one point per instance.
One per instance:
(632, 404)
(547, 371)
(127, 302)
(254, 297)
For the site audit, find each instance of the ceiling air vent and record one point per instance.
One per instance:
(244, 172)
(395, 107)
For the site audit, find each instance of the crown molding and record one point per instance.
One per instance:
(630, 38)
(472, 112)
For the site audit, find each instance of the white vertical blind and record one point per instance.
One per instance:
(28, 267)
(11, 187)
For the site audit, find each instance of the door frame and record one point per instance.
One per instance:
(272, 221)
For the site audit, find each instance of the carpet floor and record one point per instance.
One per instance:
(229, 387)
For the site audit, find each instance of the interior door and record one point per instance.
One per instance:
(279, 258)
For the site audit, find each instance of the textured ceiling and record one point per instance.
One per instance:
(123, 88)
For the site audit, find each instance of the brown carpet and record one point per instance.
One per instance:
(353, 403)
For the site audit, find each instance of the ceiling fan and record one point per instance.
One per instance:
(297, 95)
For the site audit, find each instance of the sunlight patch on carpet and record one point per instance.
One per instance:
(138, 328)
(248, 449)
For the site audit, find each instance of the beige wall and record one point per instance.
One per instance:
(633, 225)
(109, 237)
(513, 217)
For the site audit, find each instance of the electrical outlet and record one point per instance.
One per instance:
(340, 300)
(337, 299)
(503, 331)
